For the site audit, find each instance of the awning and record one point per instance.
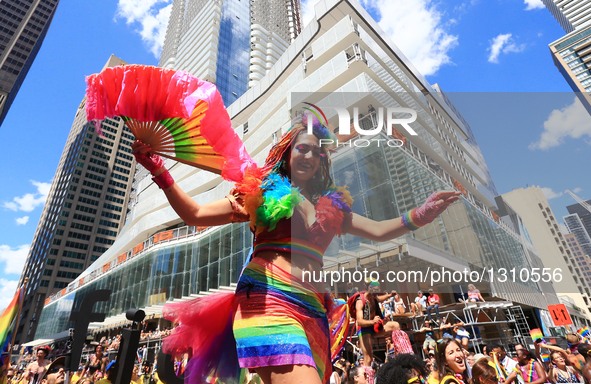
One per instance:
(48, 341)
(152, 312)
(37, 342)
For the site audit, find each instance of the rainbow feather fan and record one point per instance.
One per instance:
(180, 116)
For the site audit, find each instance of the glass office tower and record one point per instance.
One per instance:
(212, 39)
(24, 26)
(86, 207)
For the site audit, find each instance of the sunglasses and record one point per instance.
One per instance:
(316, 151)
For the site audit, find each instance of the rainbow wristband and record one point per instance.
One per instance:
(408, 222)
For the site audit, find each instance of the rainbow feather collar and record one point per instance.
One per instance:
(269, 199)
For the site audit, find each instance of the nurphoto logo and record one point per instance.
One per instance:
(387, 118)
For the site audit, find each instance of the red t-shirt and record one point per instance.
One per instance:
(433, 298)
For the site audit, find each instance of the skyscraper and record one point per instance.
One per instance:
(24, 26)
(583, 214)
(532, 206)
(570, 52)
(220, 41)
(570, 14)
(582, 258)
(575, 226)
(85, 208)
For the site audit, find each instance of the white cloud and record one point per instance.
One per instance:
(7, 291)
(503, 43)
(13, 258)
(571, 121)
(307, 11)
(550, 193)
(418, 29)
(22, 220)
(152, 17)
(29, 201)
(533, 4)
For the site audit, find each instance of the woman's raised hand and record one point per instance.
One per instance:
(144, 156)
(153, 163)
(435, 204)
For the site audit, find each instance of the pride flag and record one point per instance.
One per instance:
(584, 332)
(501, 372)
(536, 334)
(545, 357)
(8, 320)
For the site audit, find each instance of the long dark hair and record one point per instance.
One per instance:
(528, 355)
(442, 368)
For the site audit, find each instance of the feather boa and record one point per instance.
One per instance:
(279, 201)
(269, 199)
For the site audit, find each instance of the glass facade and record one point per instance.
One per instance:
(583, 213)
(384, 182)
(22, 33)
(575, 226)
(192, 263)
(233, 50)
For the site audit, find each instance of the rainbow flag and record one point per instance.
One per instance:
(584, 332)
(501, 372)
(8, 320)
(536, 334)
(545, 357)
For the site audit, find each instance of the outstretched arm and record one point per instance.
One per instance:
(393, 228)
(215, 213)
(384, 297)
(555, 348)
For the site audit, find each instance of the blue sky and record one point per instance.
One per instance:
(491, 56)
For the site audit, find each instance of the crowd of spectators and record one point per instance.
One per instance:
(43, 365)
(451, 363)
(439, 352)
